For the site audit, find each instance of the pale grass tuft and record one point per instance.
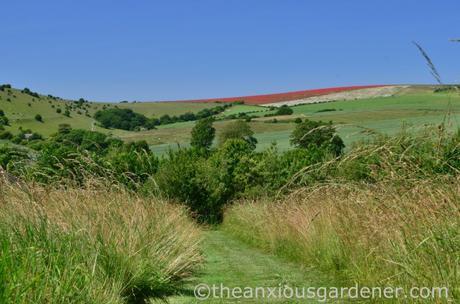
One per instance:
(133, 247)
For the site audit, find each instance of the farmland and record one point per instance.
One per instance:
(413, 107)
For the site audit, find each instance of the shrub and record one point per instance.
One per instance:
(125, 119)
(29, 92)
(317, 133)
(38, 118)
(284, 110)
(238, 130)
(4, 121)
(6, 135)
(5, 86)
(182, 177)
(203, 134)
(133, 165)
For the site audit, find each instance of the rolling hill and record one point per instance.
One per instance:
(357, 112)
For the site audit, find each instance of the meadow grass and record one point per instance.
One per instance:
(402, 229)
(21, 109)
(91, 245)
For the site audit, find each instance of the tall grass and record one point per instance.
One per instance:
(91, 245)
(398, 227)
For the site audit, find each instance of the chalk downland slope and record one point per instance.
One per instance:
(383, 91)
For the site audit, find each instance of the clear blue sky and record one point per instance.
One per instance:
(163, 50)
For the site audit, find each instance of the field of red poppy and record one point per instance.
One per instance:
(279, 97)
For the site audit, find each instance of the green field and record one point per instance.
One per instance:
(414, 107)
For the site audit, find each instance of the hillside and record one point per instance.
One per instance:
(413, 106)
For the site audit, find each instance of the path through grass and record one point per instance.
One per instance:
(235, 264)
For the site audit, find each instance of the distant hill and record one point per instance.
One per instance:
(281, 97)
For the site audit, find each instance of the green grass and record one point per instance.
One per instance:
(91, 246)
(415, 106)
(22, 108)
(235, 264)
(243, 109)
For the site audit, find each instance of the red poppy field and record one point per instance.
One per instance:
(280, 97)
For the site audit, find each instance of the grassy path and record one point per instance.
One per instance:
(235, 264)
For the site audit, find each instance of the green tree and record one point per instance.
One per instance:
(203, 134)
(39, 118)
(317, 133)
(238, 130)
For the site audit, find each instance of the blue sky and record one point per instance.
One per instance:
(165, 50)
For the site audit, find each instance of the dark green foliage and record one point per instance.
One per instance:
(125, 119)
(82, 140)
(3, 119)
(13, 159)
(317, 133)
(189, 116)
(184, 177)
(6, 135)
(26, 136)
(5, 86)
(238, 130)
(203, 134)
(29, 92)
(284, 110)
(64, 128)
(326, 110)
(132, 165)
(38, 118)
(67, 113)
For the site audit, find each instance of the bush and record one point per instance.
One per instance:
(38, 118)
(317, 133)
(5, 86)
(203, 134)
(4, 121)
(125, 119)
(29, 92)
(284, 110)
(133, 165)
(26, 136)
(6, 135)
(182, 177)
(238, 130)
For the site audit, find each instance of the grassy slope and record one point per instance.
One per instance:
(235, 264)
(21, 114)
(356, 119)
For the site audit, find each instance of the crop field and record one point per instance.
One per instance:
(355, 120)
(279, 97)
(414, 107)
